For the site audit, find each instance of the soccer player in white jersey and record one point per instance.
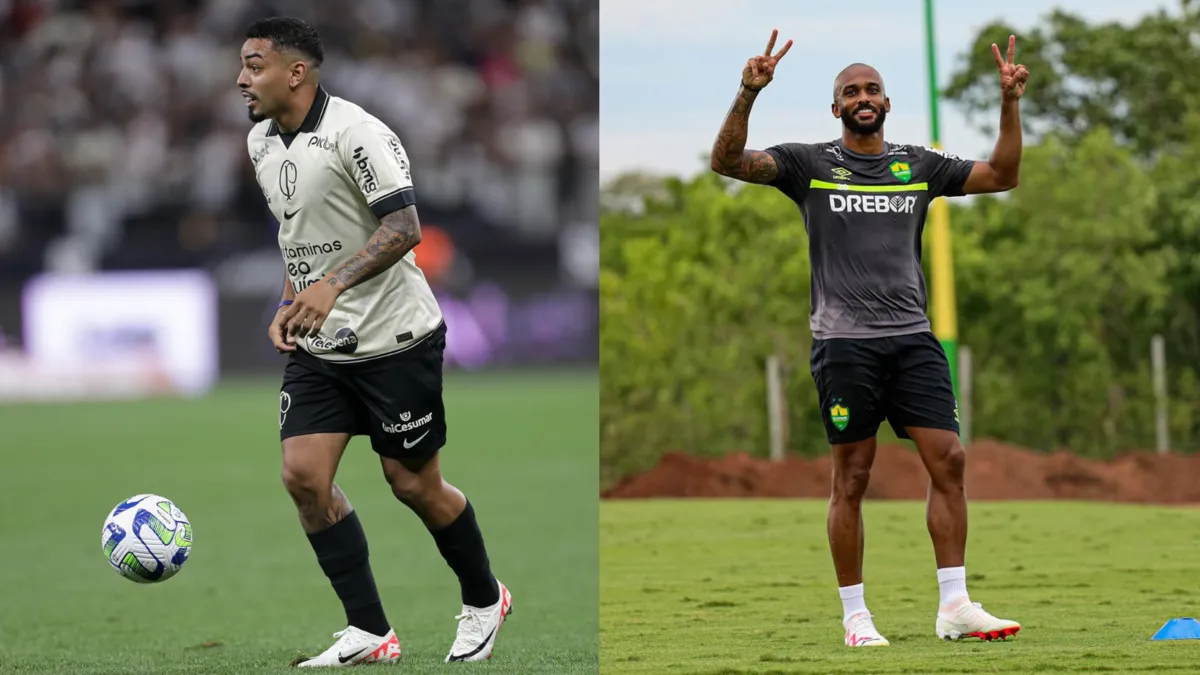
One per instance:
(364, 335)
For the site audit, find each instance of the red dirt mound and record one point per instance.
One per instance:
(994, 471)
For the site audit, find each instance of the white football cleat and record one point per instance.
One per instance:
(861, 632)
(968, 619)
(355, 646)
(477, 629)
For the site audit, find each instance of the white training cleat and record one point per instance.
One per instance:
(861, 632)
(477, 629)
(968, 619)
(355, 646)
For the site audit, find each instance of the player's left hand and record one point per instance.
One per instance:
(1012, 75)
(307, 313)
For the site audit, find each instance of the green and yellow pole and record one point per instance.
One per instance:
(945, 318)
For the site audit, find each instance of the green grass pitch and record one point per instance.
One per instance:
(739, 587)
(523, 447)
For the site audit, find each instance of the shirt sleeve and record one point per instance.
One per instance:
(378, 165)
(947, 173)
(793, 163)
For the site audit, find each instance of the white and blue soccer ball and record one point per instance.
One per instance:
(147, 539)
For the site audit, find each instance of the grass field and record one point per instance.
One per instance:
(252, 597)
(733, 587)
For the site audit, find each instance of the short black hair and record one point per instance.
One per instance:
(288, 33)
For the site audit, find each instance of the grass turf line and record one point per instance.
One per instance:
(523, 447)
(731, 587)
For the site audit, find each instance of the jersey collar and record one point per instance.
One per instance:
(312, 121)
(888, 148)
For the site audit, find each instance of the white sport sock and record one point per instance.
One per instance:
(852, 601)
(952, 584)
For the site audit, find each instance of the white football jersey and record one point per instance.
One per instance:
(329, 184)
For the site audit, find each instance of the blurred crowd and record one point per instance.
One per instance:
(123, 138)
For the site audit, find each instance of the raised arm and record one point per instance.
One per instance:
(729, 154)
(1002, 171)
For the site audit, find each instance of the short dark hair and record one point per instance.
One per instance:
(288, 33)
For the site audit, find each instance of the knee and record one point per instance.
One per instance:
(304, 484)
(850, 479)
(411, 490)
(948, 466)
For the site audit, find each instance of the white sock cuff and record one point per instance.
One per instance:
(945, 574)
(848, 592)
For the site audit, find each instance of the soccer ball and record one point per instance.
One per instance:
(147, 539)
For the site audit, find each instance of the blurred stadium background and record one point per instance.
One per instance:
(139, 267)
(124, 150)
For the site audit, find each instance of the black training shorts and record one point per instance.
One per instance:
(863, 381)
(396, 399)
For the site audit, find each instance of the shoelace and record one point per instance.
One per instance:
(971, 608)
(470, 627)
(858, 626)
(341, 644)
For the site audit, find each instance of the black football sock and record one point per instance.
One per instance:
(342, 552)
(461, 544)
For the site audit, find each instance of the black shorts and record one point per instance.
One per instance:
(903, 379)
(396, 400)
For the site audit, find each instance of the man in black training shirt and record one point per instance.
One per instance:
(874, 356)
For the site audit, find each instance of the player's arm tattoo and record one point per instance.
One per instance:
(399, 231)
(729, 154)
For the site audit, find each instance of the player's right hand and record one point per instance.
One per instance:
(760, 70)
(278, 333)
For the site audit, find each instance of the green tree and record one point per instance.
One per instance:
(1060, 286)
(1140, 81)
(696, 291)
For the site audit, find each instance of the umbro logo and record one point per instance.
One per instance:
(289, 216)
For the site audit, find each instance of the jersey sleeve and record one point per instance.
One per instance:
(946, 173)
(378, 165)
(793, 163)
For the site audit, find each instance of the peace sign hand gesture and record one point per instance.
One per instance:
(1012, 76)
(760, 70)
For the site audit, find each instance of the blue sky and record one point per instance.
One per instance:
(670, 69)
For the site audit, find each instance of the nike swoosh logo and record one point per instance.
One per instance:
(289, 216)
(344, 659)
(473, 652)
(408, 446)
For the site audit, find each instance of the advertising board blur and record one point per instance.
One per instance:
(176, 333)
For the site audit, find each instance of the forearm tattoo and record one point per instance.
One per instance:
(729, 153)
(398, 233)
